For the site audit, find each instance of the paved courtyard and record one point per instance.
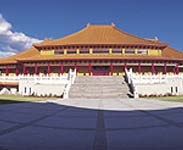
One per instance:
(111, 124)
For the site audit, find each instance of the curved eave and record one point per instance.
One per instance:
(104, 57)
(14, 58)
(8, 62)
(159, 45)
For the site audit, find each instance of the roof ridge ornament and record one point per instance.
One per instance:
(156, 38)
(112, 24)
(88, 24)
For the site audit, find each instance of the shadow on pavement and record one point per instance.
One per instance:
(43, 126)
(2, 101)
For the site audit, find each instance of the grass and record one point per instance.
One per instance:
(9, 99)
(169, 98)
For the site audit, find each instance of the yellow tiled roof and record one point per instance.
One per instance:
(25, 54)
(93, 34)
(34, 55)
(172, 53)
(99, 34)
(167, 54)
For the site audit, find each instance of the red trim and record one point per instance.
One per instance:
(7, 71)
(49, 70)
(177, 69)
(124, 67)
(111, 68)
(139, 68)
(17, 72)
(152, 68)
(36, 69)
(159, 45)
(62, 69)
(57, 59)
(89, 69)
(24, 70)
(165, 69)
(76, 67)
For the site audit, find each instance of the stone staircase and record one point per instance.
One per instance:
(99, 87)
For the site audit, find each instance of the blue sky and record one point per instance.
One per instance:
(39, 19)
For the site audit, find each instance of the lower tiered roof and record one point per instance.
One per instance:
(33, 54)
(95, 34)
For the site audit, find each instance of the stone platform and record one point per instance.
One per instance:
(95, 124)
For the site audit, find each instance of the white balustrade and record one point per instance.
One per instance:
(157, 83)
(28, 84)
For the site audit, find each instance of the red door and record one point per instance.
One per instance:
(100, 70)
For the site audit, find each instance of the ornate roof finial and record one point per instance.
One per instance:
(156, 38)
(88, 24)
(113, 24)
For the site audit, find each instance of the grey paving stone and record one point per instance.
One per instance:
(37, 138)
(175, 117)
(69, 122)
(78, 112)
(83, 124)
(165, 138)
(109, 114)
(133, 123)
(5, 125)
(17, 117)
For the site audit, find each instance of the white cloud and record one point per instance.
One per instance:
(5, 54)
(13, 42)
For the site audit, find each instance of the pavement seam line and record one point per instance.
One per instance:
(23, 125)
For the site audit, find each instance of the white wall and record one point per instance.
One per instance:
(37, 89)
(173, 87)
(42, 85)
(147, 85)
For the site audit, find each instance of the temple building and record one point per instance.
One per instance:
(95, 50)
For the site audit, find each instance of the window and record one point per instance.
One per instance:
(71, 52)
(171, 89)
(142, 51)
(101, 51)
(129, 51)
(84, 51)
(25, 90)
(59, 52)
(176, 89)
(116, 51)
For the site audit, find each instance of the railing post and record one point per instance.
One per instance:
(7, 71)
(111, 69)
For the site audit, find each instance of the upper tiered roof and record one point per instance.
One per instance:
(100, 34)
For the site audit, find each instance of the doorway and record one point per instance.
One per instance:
(100, 70)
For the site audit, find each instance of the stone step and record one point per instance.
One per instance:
(88, 80)
(98, 90)
(99, 87)
(99, 97)
(99, 84)
(91, 79)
